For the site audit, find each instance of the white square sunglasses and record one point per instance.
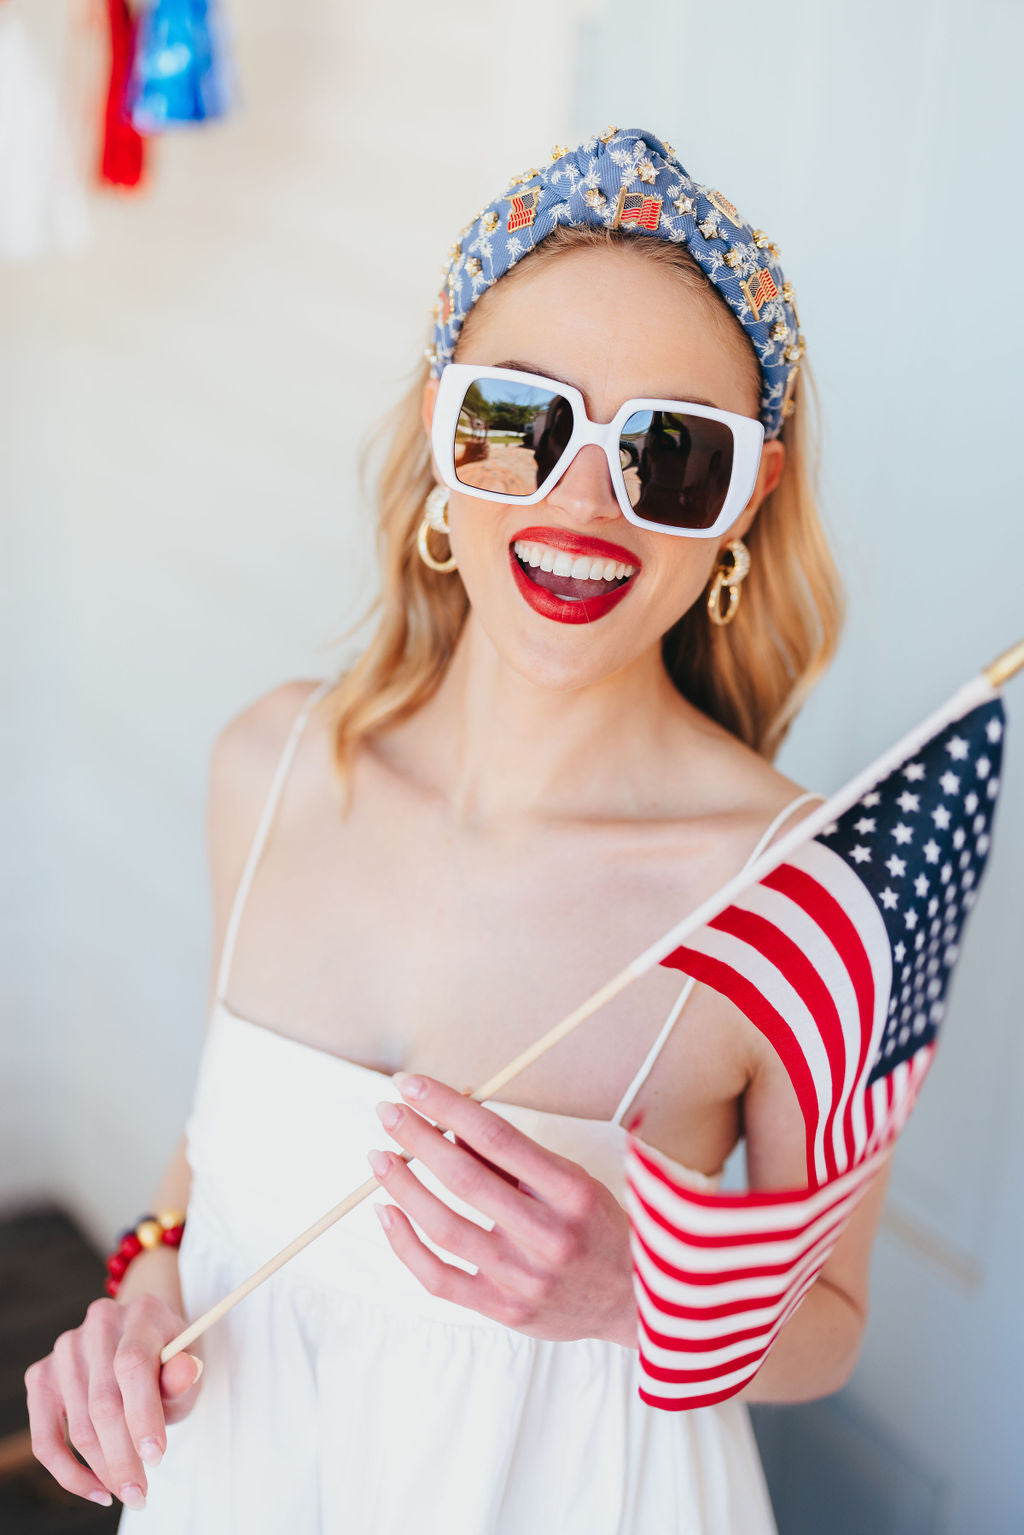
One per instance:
(676, 467)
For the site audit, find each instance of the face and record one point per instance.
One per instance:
(616, 325)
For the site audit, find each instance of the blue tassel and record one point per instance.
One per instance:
(180, 71)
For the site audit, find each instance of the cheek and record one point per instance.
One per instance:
(475, 534)
(680, 581)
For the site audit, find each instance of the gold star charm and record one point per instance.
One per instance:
(732, 257)
(594, 198)
(454, 252)
(683, 205)
(609, 133)
(780, 330)
(558, 151)
(709, 229)
(669, 151)
(792, 354)
(645, 170)
(473, 266)
(761, 240)
(490, 222)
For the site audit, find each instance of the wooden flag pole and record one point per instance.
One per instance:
(981, 688)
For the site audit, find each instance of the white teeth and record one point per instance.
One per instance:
(581, 567)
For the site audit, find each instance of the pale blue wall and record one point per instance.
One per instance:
(879, 146)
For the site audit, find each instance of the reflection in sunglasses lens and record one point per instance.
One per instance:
(676, 467)
(509, 436)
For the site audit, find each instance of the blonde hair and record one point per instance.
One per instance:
(752, 677)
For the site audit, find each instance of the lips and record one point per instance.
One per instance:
(572, 607)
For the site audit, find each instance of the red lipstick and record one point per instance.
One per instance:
(580, 610)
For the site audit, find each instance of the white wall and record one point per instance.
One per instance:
(878, 144)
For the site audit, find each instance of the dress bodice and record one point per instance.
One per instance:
(278, 1135)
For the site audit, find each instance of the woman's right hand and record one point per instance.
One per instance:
(106, 1379)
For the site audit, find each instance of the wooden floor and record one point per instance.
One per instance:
(48, 1275)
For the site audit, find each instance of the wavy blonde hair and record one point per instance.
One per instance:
(752, 677)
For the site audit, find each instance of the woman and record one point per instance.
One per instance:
(558, 740)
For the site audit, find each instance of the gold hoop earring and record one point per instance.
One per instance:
(731, 577)
(435, 516)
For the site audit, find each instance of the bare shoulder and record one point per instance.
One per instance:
(742, 791)
(257, 733)
(242, 763)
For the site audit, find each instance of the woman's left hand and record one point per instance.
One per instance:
(556, 1263)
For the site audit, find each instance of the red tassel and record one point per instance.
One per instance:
(122, 160)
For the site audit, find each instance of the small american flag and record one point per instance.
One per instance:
(841, 955)
(638, 208)
(762, 292)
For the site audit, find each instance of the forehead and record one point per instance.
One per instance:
(616, 323)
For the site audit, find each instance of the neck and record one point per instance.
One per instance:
(504, 746)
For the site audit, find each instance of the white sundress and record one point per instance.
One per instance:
(342, 1398)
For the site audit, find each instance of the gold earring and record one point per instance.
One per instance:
(731, 577)
(435, 516)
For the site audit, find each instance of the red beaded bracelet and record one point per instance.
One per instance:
(149, 1231)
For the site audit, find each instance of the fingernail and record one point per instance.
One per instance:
(388, 1115)
(380, 1162)
(384, 1216)
(409, 1087)
(101, 1497)
(150, 1450)
(132, 1496)
(198, 1364)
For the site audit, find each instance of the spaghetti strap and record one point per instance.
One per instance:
(681, 1000)
(262, 830)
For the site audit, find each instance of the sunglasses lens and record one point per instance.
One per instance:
(509, 436)
(676, 467)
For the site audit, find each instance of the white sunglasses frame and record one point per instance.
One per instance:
(747, 437)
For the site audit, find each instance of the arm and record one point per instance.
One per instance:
(817, 1349)
(155, 1269)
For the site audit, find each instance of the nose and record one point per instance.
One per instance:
(584, 494)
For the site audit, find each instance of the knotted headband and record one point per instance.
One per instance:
(625, 178)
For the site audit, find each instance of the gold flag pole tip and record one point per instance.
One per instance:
(1006, 666)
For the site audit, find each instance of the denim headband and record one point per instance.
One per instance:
(625, 178)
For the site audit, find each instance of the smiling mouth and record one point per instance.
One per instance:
(575, 578)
